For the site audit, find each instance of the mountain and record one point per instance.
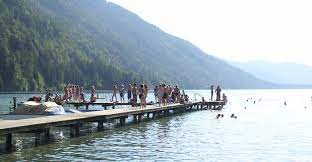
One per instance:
(280, 73)
(47, 43)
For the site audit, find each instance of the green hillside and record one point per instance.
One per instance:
(47, 43)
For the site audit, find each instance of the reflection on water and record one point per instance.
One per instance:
(265, 130)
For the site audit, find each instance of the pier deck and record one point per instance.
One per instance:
(41, 124)
(103, 104)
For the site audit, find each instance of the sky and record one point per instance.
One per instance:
(235, 30)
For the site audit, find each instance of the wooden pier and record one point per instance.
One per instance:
(41, 125)
(105, 105)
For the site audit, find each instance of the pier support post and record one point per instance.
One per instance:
(74, 130)
(122, 120)
(37, 138)
(148, 115)
(140, 117)
(9, 142)
(158, 114)
(47, 135)
(154, 115)
(166, 112)
(100, 125)
(135, 118)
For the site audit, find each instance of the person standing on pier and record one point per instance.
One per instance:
(145, 95)
(134, 93)
(141, 95)
(93, 97)
(218, 91)
(165, 89)
(129, 92)
(114, 93)
(211, 92)
(82, 95)
(160, 94)
(122, 93)
(156, 94)
(176, 94)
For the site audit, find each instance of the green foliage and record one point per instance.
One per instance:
(49, 43)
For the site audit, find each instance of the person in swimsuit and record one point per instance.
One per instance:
(122, 93)
(93, 97)
(160, 94)
(156, 94)
(165, 96)
(218, 91)
(176, 92)
(82, 95)
(141, 95)
(135, 93)
(129, 92)
(145, 94)
(211, 92)
(114, 93)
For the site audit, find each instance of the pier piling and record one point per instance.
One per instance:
(9, 142)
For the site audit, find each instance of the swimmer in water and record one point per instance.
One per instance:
(218, 116)
(222, 115)
(285, 104)
(232, 116)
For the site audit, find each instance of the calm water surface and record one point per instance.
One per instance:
(265, 131)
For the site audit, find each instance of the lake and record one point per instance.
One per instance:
(265, 130)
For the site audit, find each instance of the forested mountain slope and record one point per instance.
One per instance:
(46, 43)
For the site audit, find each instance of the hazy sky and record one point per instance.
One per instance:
(241, 30)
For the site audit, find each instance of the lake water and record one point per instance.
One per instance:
(266, 130)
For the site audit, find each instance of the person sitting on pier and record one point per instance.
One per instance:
(186, 98)
(122, 93)
(58, 99)
(48, 97)
(182, 101)
(35, 99)
(93, 93)
(114, 93)
(224, 98)
(129, 92)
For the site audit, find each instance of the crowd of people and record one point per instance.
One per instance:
(163, 94)
(218, 94)
(75, 93)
